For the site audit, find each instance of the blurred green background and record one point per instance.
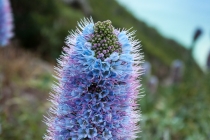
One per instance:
(171, 109)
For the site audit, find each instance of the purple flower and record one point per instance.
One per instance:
(107, 134)
(92, 132)
(6, 24)
(97, 119)
(97, 90)
(82, 133)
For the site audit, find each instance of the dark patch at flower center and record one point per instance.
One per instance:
(104, 41)
(94, 88)
(85, 138)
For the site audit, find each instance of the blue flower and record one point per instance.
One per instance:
(114, 56)
(116, 67)
(97, 118)
(87, 113)
(126, 58)
(64, 109)
(68, 123)
(98, 107)
(113, 74)
(88, 29)
(82, 133)
(103, 94)
(96, 72)
(90, 60)
(97, 87)
(6, 24)
(88, 52)
(123, 39)
(60, 137)
(106, 106)
(80, 42)
(88, 45)
(82, 122)
(97, 64)
(105, 66)
(106, 74)
(92, 132)
(78, 101)
(74, 137)
(75, 94)
(88, 97)
(107, 134)
(101, 83)
(90, 75)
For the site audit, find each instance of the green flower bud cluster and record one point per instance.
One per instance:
(104, 41)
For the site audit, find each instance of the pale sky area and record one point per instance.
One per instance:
(176, 19)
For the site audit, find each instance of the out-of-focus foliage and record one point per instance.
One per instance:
(178, 112)
(43, 24)
(24, 85)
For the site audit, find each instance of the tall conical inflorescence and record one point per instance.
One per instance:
(98, 85)
(6, 22)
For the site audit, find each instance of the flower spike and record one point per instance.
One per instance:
(6, 22)
(98, 85)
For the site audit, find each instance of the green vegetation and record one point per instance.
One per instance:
(177, 112)
(42, 25)
(174, 112)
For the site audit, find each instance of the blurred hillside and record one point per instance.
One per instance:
(173, 112)
(45, 27)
